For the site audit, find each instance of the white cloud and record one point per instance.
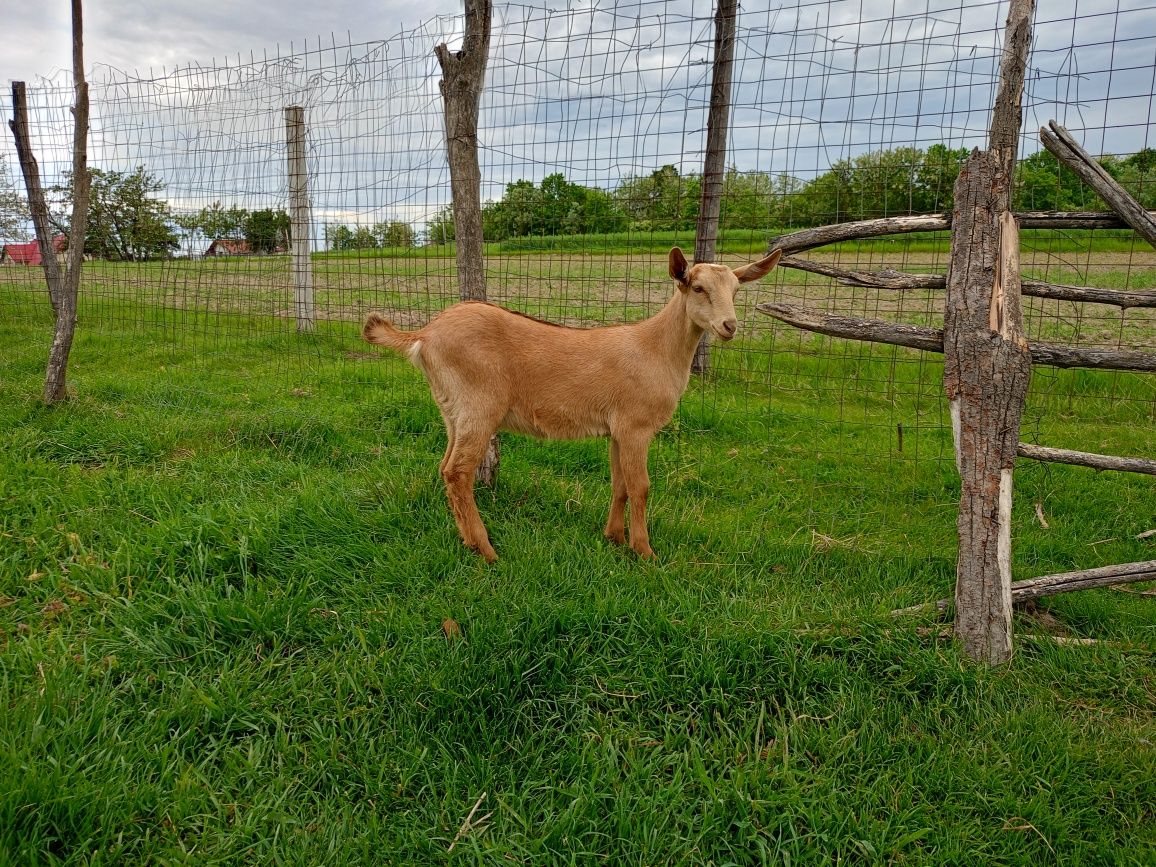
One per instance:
(595, 91)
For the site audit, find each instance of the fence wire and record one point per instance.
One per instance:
(592, 138)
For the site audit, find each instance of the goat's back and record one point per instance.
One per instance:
(544, 379)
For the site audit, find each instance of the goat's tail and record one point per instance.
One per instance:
(381, 331)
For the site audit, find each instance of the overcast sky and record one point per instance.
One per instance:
(595, 89)
(139, 34)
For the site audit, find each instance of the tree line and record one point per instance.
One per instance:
(129, 219)
(892, 182)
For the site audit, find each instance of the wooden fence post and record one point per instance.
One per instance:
(300, 218)
(63, 287)
(987, 363)
(463, 76)
(714, 163)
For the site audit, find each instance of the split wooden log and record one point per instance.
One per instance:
(820, 236)
(1068, 151)
(855, 328)
(891, 279)
(931, 339)
(1060, 582)
(1086, 459)
(1072, 220)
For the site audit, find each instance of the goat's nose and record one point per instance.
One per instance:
(730, 326)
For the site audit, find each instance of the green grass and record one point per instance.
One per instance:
(745, 242)
(224, 568)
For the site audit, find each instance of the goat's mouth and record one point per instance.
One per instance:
(722, 333)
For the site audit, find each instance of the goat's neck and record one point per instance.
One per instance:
(674, 333)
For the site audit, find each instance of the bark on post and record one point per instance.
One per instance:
(714, 164)
(300, 218)
(463, 76)
(987, 363)
(63, 286)
(37, 204)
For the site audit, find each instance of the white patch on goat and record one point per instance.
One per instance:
(414, 355)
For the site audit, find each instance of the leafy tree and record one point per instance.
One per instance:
(267, 231)
(555, 207)
(747, 200)
(1136, 174)
(13, 208)
(882, 183)
(338, 237)
(395, 233)
(935, 179)
(661, 200)
(126, 221)
(828, 198)
(441, 227)
(1043, 183)
(216, 221)
(786, 195)
(364, 239)
(359, 238)
(1143, 161)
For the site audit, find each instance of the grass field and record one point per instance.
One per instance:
(225, 567)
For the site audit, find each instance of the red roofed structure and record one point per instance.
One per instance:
(29, 254)
(229, 247)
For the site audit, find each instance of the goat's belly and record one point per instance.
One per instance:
(554, 426)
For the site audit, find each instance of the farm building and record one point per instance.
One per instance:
(229, 247)
(29, 254)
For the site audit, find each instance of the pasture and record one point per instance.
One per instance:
(227, 567)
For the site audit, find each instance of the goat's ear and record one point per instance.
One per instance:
(678, 265)
(758, 269)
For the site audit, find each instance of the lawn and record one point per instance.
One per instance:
(226, 568)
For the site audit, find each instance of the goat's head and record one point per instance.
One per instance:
(710, 290)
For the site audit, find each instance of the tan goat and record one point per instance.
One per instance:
(489, 368)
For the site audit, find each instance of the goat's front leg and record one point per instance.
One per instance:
(632, 452)
(616, 523)
(458, 468)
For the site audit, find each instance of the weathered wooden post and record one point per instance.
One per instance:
(63, 287)
(714, 163)
(463, 76)
(300, 218)
(987, 363)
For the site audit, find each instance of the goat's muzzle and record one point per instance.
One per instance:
(727, 329)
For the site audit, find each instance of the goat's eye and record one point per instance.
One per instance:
(698, 289)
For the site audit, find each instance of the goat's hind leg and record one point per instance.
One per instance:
(450, 436)
(458, 469)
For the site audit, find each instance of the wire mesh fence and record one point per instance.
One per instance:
(591, 144)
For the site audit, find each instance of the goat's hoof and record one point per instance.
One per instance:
(488, 553)
(618, 538)
(645, 552)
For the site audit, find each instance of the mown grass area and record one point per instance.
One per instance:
(224, 576)
(747, 242)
